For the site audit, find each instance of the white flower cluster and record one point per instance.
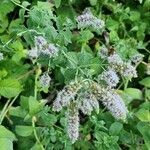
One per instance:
(115, 62)
(45, 80)
(42, 47)
(65, 96)
(85, 96)
(1, 56)
(136, 59)
(126, 69)
(114, 104)
(73, 125)
(103, 52)
(129, 71)
(88, 103)
(87, 20)
(110, 77)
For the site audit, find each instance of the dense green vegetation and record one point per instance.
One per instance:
(75, 75)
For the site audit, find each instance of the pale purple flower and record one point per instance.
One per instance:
(87, 20)
(115, 62)
(40, 42)
(114, 103)
(73, 125)
(51, 50)
(33, 53)
(45, 80)
(136, 59)
(66, 95)
(87, 103)
(110, 77)
(103, 52)
(129, 71)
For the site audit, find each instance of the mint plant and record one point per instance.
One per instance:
(74, 74)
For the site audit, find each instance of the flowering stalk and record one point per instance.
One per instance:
(73, 124)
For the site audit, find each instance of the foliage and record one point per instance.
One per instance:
(32, 75)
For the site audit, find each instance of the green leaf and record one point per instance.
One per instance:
(37, 146)
(10, 88)
(145, 82)
(85, 36)
(146, 5)
(17, 112)
(114, 36)
(72, 60)
(3, 73)
(143, 115)
(34, 106)
(93, 2)
(3, 23)
(112, 24)
(24, 130)
(6, 6)
(134, 15)
(144, 129)
(68, 73)
(57, 3)
(6, 144)
(131, 94)
(84, 58)
(115, 128)
(5, 133)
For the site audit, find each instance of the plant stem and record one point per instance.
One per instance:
(126, 84)
(20, 5)
(26, 74)
(35, 86)
(35, 133)
(38, 72)
(6, 109)
(3, 111)
(20, 34)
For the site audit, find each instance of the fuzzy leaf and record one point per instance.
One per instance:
(145, 82)
(10, 88)
(24, 130)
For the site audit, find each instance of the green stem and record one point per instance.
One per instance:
(20, 5)
(35, 133)
(26, 74)
(3, 111)
(6, 109)
(49, 63)
(20, 34)
(38, 72)
(126, 84)
(35, 86)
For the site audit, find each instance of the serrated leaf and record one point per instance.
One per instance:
(24, 130)
(17, 112)
(5, 133)
(85, 36)
(34, 106)
(143, 115)
(145, 82)
(57, 3)
(93, 2)
(68, 73)
(134, 15)
(10, 88)
(133, 93)
(144, 129)
(115, 128)
(6, 144)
